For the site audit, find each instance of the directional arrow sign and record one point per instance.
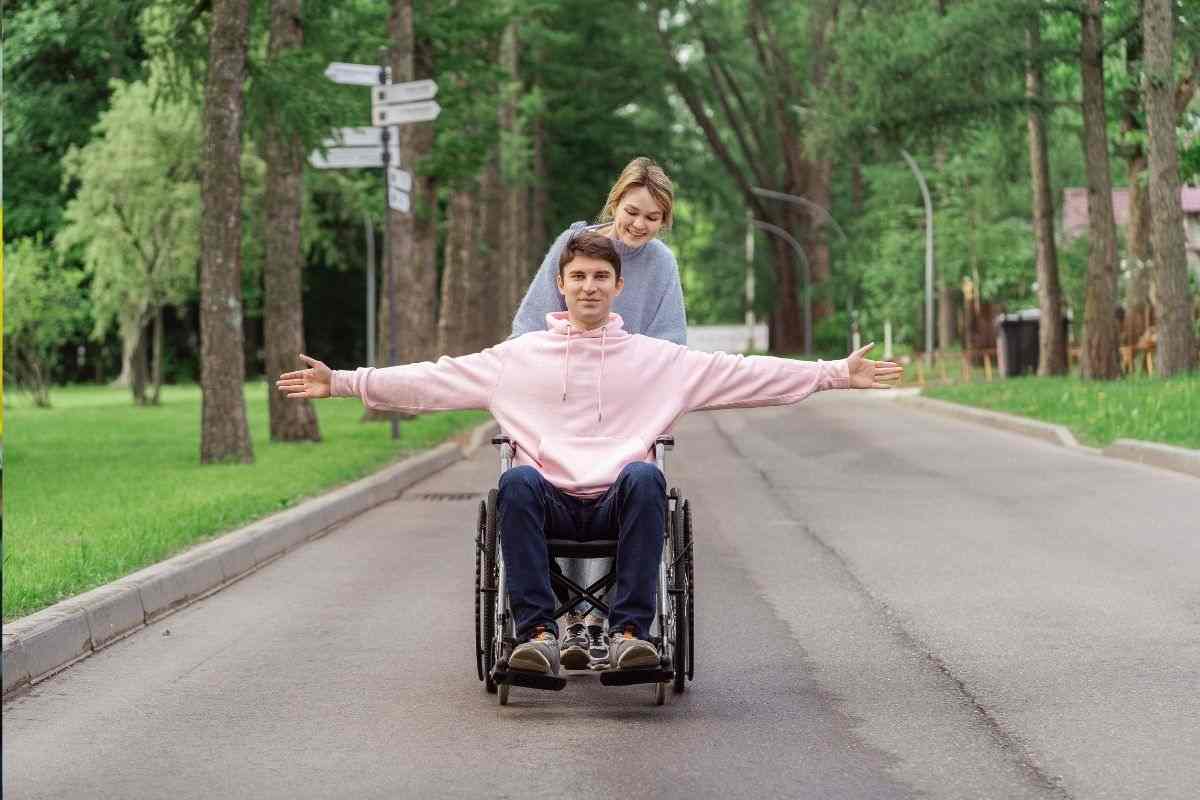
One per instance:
(412, 91)
(354, 74)
(399, 179)
(398, 200)
(354, 137)
(401, 115)
(345, 157)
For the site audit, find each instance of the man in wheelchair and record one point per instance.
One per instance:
(583, 402)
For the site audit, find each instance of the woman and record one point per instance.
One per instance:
(640, 204)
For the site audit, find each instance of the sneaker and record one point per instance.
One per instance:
(573, 647)
(597, 644)
(626, 651)
(539, 654)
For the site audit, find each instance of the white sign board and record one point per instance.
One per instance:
(354, 137)
(404, 114)
(398, 200)
(410, 92)
(354, 74)
(399, 179)
(346, 157)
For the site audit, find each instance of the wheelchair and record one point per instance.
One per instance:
(673, 630)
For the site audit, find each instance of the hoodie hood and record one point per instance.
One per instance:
(559, 322)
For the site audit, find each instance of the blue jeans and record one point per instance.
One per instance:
(633, 511)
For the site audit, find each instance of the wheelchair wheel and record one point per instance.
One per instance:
(679, 609)
(485, 621)
(689, 554)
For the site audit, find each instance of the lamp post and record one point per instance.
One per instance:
(787, 237)
(928, 258)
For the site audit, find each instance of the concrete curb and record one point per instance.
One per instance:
(1055, 434)
(1163, 456)
(1179, 459)
(46, 642)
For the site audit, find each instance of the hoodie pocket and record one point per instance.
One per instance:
(587, 463)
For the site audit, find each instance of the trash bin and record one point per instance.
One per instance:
(1017, 341)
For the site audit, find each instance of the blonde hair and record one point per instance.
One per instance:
(642, 171)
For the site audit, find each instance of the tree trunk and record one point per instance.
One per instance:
(413, 253)
(224, 433)
(488, 260)
(283, 307)
(787, 323)
(454, 321)
(137, 364)
(1100, 355)
(539, 239)
(1176, 349)
(1138, 260)
(156, 371)
(513, 240)
(1052, 343)
(947, 323)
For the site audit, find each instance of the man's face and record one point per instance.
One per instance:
(589, 285)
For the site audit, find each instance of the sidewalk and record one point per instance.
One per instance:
(42, 644)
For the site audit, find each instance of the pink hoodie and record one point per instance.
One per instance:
(580, 405)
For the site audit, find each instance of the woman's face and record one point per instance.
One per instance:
(637, 217)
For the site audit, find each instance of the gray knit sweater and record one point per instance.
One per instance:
(651, 302)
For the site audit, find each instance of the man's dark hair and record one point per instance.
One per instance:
(593, 245)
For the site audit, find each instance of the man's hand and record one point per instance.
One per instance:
(868, 374)
(313, 383)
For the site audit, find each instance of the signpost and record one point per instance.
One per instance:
(353, 74)
(391, 104)
(410, 92)
(350, 157)
(403, 114)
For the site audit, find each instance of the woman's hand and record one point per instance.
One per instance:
(312, 383)
(868, 374)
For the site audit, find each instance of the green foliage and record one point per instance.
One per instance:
(132, 492)
(1097, 412)
(59, 57)
(135, 219)
(43, 310)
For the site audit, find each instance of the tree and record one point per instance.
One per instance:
(225, 434)
(1176, 348)
(283, 318)
(93, 43)
(43, 310)
(1100, 354)
(137, 226)
(1052, 344)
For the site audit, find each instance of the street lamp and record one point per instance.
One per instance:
(928, 258)
(801, 201)
(787, 237)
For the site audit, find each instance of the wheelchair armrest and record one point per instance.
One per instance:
(501, 439)
(667, 442)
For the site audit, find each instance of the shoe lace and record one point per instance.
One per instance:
(595, 635)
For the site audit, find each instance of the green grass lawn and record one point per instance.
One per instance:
(96, 488)
(1097, 412)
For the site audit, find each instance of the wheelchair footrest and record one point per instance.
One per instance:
(630, 677)
(530, 680)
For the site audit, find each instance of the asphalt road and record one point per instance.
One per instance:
(890, 604)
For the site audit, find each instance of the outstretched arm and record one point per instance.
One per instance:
(459, 383)
(720, 380)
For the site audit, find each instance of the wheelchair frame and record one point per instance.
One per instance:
(495, 634)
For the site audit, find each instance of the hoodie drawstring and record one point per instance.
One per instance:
(600, 380)
(566, 363)
(566, 370)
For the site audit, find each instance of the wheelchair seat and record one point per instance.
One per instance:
(569, 548)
